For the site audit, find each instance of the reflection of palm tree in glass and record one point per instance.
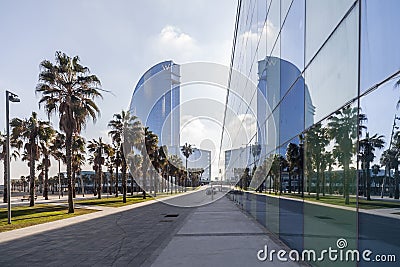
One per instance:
(316, 139)
(396, 163)
(367, 147)
(343, 130)
(292, 157)
(275, 170)
(388, 160)
(375, 170)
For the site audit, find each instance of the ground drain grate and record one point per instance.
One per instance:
(171, 215)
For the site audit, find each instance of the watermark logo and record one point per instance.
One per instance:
(334, 254)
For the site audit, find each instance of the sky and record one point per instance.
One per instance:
(118, 41)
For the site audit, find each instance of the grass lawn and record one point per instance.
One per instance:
(23, 216)
(114, 201)
(339, 201)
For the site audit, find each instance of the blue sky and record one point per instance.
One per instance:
(118, 41)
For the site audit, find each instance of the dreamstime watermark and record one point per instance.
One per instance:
(334, 254)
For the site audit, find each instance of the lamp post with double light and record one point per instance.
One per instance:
(10, 97)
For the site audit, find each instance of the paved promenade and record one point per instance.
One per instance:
(144, 234)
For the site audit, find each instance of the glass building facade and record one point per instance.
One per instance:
(156, 101)
(326, 74)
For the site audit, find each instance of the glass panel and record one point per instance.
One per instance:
(332, 76)
(380, 53)
(317, 29)
(378, 172)
(291, 207)
(292, 111)
(273, 26)
(331, 179)
(292, 36)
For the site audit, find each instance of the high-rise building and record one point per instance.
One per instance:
(156, 100)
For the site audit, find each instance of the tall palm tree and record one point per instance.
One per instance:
(57, 151)
(316, 139)
(135, 163)
(388, 160)
(69, 90)
(396, 163)
(175, 164)
(26, 133)
(151, 149)
(78, 159)
(367, 147)
(342, 128)
(187, 150)
(292, 157)
(45, 149)
(97, 148)
(125, 133)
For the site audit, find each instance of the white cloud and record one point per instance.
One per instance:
(172, 43)
(267, 31)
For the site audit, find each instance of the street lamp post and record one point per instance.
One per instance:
(13, 98)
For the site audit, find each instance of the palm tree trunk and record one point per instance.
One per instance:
(323, 182)
(99, 182)
(317, 184)
(123, 180)
(346, 184)
(290, 181)
(132, 185)
(116, 180)
(368, 182)
(396, 182)
(73, 184)
(46, 178)
(5, 178)
(68, 148)
(31, 175)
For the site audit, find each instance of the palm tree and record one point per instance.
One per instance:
(292, 157)
(342, 128)
(30, 131)
(316, 139)
(151, 144)
(45, 149)
(125, 133)
(97, 148)
(56, 150)
(78, 159)
(175, 164)
(135, 163)
(388, 160)
(147, 149)
(187, 150)
(68, 89)
(396, 149)
(367, 147)
(14, 155)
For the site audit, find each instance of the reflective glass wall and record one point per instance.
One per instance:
(322, 165)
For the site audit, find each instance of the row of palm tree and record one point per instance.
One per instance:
(320, 148)
(68, 92)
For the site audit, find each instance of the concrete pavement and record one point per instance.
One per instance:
(145, 234)
(219, 234)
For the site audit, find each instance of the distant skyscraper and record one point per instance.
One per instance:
(156, 102)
